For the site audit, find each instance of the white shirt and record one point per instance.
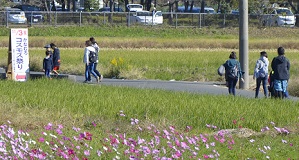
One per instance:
(86, 53)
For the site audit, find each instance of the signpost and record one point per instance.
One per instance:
(18, 55)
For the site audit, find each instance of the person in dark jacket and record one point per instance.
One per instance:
(230, 80)
(56, 58)
(281, 67)
(48, 64)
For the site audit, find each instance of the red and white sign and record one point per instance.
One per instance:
(19, 54)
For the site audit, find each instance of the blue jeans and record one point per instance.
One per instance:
(264, 81)
(91, 69)
(47, 73)
(95, 69)
(231, 84)
(87, 74)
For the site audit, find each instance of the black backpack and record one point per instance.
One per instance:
(92, 56)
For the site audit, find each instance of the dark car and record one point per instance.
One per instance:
(32, 13)
(107, 9)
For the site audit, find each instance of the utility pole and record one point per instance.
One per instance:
(243, 42)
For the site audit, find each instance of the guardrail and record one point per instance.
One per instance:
(170, 19)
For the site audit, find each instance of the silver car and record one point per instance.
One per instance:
(15, 15)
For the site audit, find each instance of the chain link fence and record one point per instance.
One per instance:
(170, 19)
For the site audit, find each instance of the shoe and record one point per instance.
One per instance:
(98, 79)
(101, 78)
(87, 81)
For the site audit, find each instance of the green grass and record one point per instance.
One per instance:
(180, 109)
(153, 53)
(33, 104)
(164, 64)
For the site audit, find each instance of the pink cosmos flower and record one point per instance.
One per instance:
(58, 131)
(49, 126)
(86, 153)
(60, 126)
(41, 139)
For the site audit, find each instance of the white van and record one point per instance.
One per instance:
(146, 17)
(14, 15)
(134, 7)
(278, 16)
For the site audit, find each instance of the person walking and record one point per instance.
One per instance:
(261, 73)
(281, 67)
(97, 49)
(232, 72)
(56, 58)
(89, 65)
(48, 64)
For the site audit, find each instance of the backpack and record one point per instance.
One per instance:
(261, 72)
(92, 56)
(233, 72)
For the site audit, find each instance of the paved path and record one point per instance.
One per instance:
(194, 87)
(214, 88)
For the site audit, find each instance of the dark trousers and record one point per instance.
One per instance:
(95, 70)
(264, 81)
(231, 84)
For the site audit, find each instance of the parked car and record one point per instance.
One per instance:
(208, 10)
(134, 7)
(14, 15)
(146, 17)
(32, 13)
(278, 17)
(107, 9)
(235, 12)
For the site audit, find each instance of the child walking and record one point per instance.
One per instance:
(47, 64)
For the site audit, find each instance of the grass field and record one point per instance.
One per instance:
(105, 111)
(71, 120)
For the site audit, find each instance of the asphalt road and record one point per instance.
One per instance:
(213, 88)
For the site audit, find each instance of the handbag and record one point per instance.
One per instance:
(221, 70)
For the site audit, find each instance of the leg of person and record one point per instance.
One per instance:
(87, 74)
(284, 88)
(47, 71)
(234, 86)
(257, 89)
(278, 88)
(286, 94)
(230, 86)
(97, 72)
(264, 82)
(55, 70)
(46, 74)
(91, 70)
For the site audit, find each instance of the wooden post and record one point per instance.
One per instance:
(9, 61)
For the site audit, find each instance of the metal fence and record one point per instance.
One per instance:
(170, 19)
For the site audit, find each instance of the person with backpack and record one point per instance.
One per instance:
(97, 49)
(232, 72)
(281, 67)
(89, 59)
(261, 73)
